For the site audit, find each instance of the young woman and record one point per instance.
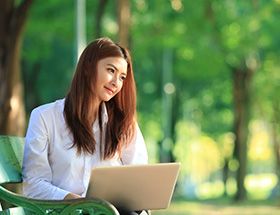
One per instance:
(95, 125)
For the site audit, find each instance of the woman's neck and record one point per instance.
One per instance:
(94, 110)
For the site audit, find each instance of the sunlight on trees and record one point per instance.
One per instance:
(260, 148)
(226, 143)
(259, 186)
(111, 26)
(210, 41)
(210, 190)
(202, 158)
(199, 154)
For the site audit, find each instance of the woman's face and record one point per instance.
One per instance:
(111, 73)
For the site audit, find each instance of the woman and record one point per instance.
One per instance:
(95, 125)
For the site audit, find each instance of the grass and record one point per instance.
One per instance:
(221, 207)
(259, 190)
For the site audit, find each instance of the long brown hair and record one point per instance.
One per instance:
(121, 108)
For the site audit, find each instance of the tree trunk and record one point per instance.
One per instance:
(276, 145)
(124, 22)
(32, 76)
(170, 107)
(225, 174)
(167, 144)
(12, 113)
(99, 15)
(174, 119)
(241, 93)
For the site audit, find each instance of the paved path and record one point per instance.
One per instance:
(196, 208)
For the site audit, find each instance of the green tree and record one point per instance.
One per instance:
(49, 52)
(199, 57)
(13, 15)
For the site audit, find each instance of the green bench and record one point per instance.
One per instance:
(11, 154)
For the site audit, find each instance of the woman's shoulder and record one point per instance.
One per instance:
(49, 108)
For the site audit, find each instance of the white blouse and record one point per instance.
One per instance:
(52, 168)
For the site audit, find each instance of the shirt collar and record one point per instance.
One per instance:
(104, 118)
(104, 113)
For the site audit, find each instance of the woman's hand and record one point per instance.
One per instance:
(72, 196)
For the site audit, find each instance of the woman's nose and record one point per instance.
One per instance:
(114, 81)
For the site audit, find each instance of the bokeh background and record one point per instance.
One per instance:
(208, 81)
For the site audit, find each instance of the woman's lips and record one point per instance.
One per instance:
(109, 90)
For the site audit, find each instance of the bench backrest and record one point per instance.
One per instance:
(11, 154)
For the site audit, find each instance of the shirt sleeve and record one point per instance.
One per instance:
(36, 169)
(136, 151)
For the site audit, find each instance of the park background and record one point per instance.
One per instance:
(208, 80)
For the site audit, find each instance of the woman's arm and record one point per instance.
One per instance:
(37, 173)
(136, 151)
(72, 196)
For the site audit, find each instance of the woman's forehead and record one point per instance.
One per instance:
(118, 62)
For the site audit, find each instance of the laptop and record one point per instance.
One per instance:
(135, 187)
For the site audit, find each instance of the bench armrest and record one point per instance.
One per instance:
(63, 207)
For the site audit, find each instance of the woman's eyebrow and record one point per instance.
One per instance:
(112, 65)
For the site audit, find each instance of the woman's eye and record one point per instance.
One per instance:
(111, 70)
(123, 78)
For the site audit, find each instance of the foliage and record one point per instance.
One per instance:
(205, 38)
(48, 51)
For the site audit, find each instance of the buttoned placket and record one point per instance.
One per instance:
(91, 160)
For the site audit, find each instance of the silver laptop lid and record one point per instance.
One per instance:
(135, 187)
